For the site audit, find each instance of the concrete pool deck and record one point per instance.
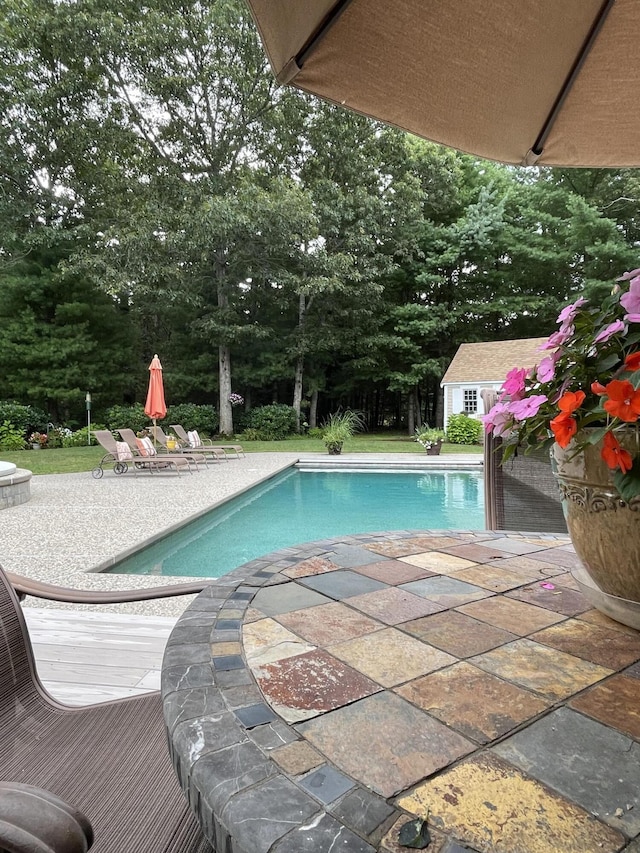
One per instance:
(73, 526)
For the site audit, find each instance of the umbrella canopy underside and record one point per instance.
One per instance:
(532, 81)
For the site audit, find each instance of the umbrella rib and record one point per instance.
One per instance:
(321, 31)
(538, 146)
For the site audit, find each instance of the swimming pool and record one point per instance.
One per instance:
(301, 506)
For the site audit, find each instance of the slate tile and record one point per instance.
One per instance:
(491, 578)
(255, 715)
(593, 765)
(393, 572)
(349, 556)
(312, 683)
(297, 757)
(554, 674)
(595, 617)
(265, 813)
(478, 552)
(328, 623)
(342, 584)
(437, 562)
(513, 545)
(446, 591)
(558, 557)
(325, 834)
(364, 812)
(516, 616)
(457, 634)
(615, 702)
(561, 599)
(392, 605)
(312, 566)
(390, 657)
(268, 640)
(604, 646)
(326, 784)
(528, 567)
(404, 547)
(272, 735)
(384, 742)
(219, 775)
(475, 703)
(285, 597)
(490, 805)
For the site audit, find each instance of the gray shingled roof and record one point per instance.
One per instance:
(490, 361)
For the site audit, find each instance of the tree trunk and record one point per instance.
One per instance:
(297, 390)
(411, 420)
(313, 409)
(297, 385)
(224, 359)
(226, 411)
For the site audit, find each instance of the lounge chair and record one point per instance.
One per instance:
(228, 449)
(146, 453)
(202, 455)
(124, 458)
(108, 762)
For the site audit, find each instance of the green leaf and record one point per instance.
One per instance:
(628, 485)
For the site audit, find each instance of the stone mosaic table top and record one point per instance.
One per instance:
(323, 696)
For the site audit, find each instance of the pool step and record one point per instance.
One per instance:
(415, 463)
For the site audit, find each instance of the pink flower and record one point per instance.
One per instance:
(626, 276)
(630, 301)
(632, 318)
(558, 338)
(569, 311)
(513, 385)
(523, 409)
(546, 368)
(498, 420)
(609, 331)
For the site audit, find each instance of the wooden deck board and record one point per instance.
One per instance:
(86, 657)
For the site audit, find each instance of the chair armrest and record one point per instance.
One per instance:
(33, 820)
(26, 586)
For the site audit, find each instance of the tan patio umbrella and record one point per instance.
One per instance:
(552, 82)
(155, 407)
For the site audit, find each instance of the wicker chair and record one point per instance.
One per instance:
(109, 761)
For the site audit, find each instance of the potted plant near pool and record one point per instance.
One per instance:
(339, 427)
(431, 439)
(582, 401)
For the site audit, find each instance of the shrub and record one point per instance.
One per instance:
(79, 437)
(315, 432)
(57, 436)
(191, 416)
(274, 422)
(23, 418)
(128, 417)
(250, 434)
(11, 438)
(461, 429)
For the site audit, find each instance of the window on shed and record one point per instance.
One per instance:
(470, 401)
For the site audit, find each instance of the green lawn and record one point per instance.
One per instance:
(74, 459)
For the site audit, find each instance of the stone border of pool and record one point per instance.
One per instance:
(221, 729)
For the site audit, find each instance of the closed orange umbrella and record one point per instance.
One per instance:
(155, 407)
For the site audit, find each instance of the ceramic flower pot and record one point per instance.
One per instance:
(604, 528)
(434, 450)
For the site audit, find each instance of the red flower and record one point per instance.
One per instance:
(570, 401)
(563, 427)
(598, 388)
(632, 361)
(614, 455)
(624, 400)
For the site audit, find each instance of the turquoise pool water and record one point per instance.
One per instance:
(302, 506)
